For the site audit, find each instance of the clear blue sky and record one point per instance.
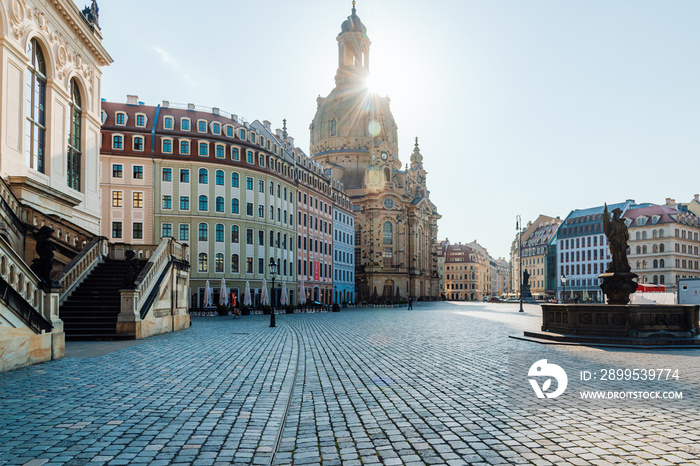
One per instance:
(521, 107)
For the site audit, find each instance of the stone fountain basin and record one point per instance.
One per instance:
(630, 324)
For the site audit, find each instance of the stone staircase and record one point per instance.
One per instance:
(91, 311)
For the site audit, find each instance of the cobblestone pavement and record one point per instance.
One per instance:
(365, 386)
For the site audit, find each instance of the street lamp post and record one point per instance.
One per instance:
(563, 284)
(518, 226)
(273, 273)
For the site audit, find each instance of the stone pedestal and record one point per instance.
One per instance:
(618, 286)
(632, 324)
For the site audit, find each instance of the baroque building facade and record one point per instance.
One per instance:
(208, 180)
(354, 136)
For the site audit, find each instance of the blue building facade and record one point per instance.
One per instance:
(343, 249)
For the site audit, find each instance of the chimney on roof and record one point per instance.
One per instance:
(670, 201)
(132, 99)
(267, 124)
(697, 197)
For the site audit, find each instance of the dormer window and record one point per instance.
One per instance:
(655, 219)
(202, 126)
(241, 134)
(121, 118)
(168, 123)
(141, 120)
(216, 127)
(185, 124)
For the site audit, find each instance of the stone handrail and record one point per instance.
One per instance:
(8, 196)
(159, 260)
(143, 251)
(80, 267)
(24, 281)
(71, 236)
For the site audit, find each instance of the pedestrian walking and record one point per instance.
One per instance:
(410, 303)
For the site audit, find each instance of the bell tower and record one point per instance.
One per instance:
(353, 51)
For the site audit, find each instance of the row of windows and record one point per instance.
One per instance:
(325, 227)
(313, 245)
(581, 242)
(343, 257)
(584, 255)
(136, 230)
(344, 275)
(118, 171)
(579, 269)
(324, 206)
(203, 206)
(343, 218)
(219, 177)
(342, 237)
(284, 267)
(306, 268)
(202, 126)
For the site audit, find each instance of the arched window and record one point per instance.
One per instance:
(644, 249)
(639, 250)
(655, 248)
(661, 247)
(234, 179)
(220, 177)
(234, 233)
(202, 262)
(203, 176)
(656, 264)
(75, 137)
(334, 127)
(638, 235)
(36, 107)
(388, 233)
(661, 264)
(644, 235)
(219, 204)
(234, 206)
(203, 203)
(203, 232)
(219, 262)
(234, 263)
(662, 280)
(654, 234)
(220, 235)
(661, 235)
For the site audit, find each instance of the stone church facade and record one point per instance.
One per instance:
(354, 136)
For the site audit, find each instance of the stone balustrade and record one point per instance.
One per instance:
(80, 267)
(67, 234)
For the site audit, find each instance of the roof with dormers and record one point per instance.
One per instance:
(659, 214)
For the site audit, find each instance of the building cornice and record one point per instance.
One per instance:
(92, 39)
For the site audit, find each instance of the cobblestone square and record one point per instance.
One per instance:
(362, 386)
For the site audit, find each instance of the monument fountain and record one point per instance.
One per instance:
(619, 323)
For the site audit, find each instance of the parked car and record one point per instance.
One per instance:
(496, 299)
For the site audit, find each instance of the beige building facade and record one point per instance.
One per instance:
(354, 136)
(664, 243)
(51, 56)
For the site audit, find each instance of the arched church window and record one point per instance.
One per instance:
(74, 152)
(36, 107)
(334, 127)
(388, 233)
